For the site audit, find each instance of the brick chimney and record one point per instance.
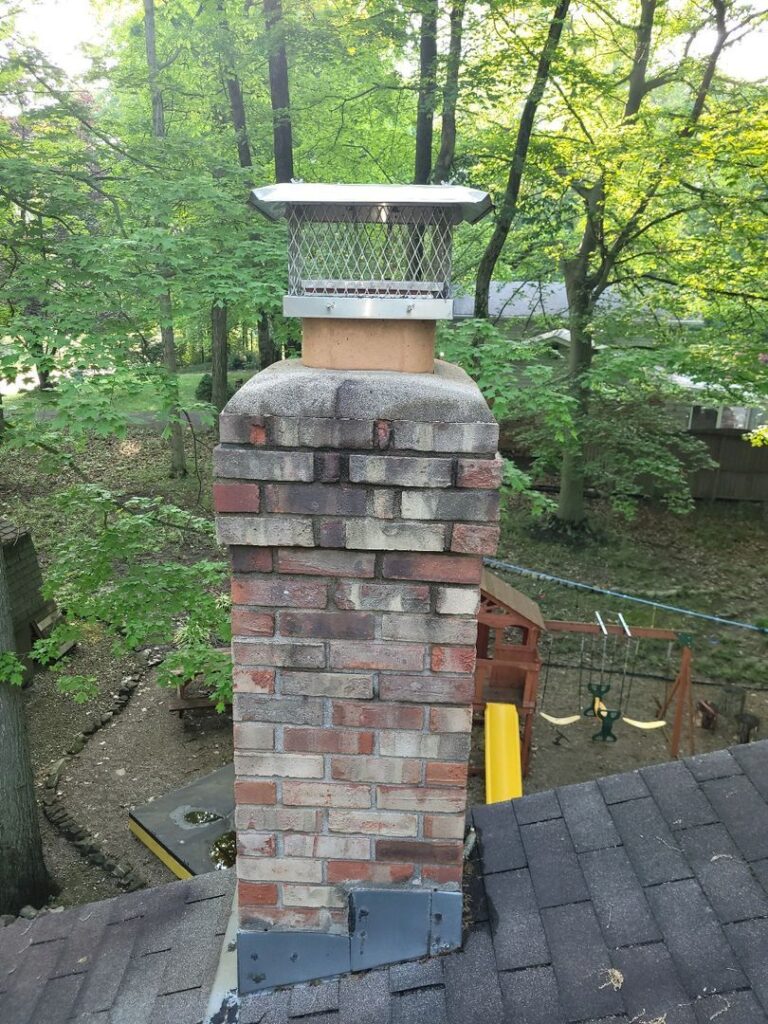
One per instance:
(357, 505)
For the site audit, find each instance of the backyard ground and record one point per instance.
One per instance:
(713, 560)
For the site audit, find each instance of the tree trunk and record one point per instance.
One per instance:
(508, 208)
(427, 85)
(178, 457)
(571, 507)
(278, 90)
(445, 156)
(219, 390)
(23, 875)
(268, 353)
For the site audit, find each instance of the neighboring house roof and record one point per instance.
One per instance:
(504, 594)
(642, 897)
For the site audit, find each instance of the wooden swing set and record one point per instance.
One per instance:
(509, 665)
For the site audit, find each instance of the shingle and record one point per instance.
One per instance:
(499, 838)
(195, 945)
(554, 866)
(734, 1008)
(307, 999)
(704, 960)
(160, 924)
(84, 944)
(651, 848)
(518, 936)
(536, 807)
(743, 812)
(186, 1007)
(729, 885)
(14, 939)
(587, 817)
(141, 984)
(650, 986)
(417, 974)
(531, 996)
(618, 788)
(472, 989)
(581, 962)
(211, 885)
(266, 1008)
(107, 970)
(753, 758)
(154, 902)
(749, 940)
(717, 765)
(618, 898)
(57, 999)
(51, 926)
(364, 998)
(760, 868)
(419, 1006)
(24, 986)
(678, 796)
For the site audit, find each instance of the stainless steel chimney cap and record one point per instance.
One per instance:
(470, 203)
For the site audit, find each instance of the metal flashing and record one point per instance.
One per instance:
(266, 959)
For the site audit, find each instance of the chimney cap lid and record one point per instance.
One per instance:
(271, 200)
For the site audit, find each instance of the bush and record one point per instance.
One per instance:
(204, 389)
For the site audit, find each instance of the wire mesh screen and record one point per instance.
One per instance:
(370, 251)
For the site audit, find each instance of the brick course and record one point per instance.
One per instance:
(356, 547)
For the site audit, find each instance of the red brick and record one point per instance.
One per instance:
(256, 844)
(419, 851)
(421, 798)
(298, 793)
(236, 429)
(450, 719)
(441, 874)
(327, 466)
(255, 792)
(377, 655)
(258, 434)
(383, 433)
(246, 622)
(389, 597)
(427, 689)
(453, 659)
(253, 680)
(289, 918)
(257, 894)
(376, 769)
(248, 559)
(357, 564)
(328, 625)
(480, 473)
(446, 773)
(445, 826)
(313, 499)
(236, 497)
(433, 568)
(327, 741)
(474, 539)
(331, 533)
(274, 591)
(377, 716)
(339, 871)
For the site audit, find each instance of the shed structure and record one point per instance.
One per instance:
(508, 663)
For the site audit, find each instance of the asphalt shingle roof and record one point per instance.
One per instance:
(639, 899)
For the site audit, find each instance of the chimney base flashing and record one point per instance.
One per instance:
(387, 926)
